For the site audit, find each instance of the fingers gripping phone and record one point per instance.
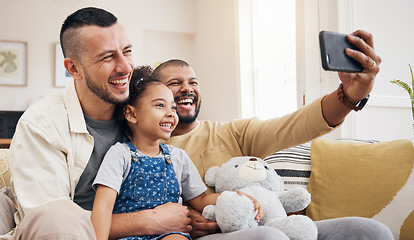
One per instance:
(333, 54)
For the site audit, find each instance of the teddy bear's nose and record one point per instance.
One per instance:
(253, 159)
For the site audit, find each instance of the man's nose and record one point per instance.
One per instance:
(124, 65)
(187, 88)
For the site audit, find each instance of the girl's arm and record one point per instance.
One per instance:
(101, 216)
(202, 200)
(199, 202)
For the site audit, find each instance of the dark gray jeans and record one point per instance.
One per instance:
(349, 228)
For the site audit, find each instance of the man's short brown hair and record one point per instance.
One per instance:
(70, 39)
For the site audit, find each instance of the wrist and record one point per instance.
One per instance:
(151, 225)
(351, 104)
(133, 224)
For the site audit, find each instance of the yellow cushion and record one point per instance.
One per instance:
(4, 168)
(373, 180)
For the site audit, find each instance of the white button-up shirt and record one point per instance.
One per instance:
(49, 150)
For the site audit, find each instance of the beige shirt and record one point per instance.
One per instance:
(212, 143)
(49, 151)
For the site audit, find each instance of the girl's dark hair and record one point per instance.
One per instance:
(140, 80)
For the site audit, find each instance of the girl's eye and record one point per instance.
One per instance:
(160, 105)
(174, 108)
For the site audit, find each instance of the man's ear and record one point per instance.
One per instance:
(129, 114)
(72, 68)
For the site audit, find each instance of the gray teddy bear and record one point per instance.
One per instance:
(253, 176)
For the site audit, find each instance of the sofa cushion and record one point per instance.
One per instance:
(4, 168)
(293, 165)
(374, 180)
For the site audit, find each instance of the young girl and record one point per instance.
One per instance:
(145, 173)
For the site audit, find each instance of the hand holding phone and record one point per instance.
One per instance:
(333, 56)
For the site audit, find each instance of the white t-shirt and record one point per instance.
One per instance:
(117, 162)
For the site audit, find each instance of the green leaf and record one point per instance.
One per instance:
(412, 76)
(407, 88)
(403, 85)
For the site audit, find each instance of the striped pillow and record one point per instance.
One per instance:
(293, 165)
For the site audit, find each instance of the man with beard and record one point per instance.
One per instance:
(211, 143)
(60, 141)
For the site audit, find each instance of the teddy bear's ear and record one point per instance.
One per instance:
(210, 176)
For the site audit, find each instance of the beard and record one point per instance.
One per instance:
(101, 91)
(190, 118)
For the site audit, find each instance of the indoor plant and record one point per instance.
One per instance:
(409, 89)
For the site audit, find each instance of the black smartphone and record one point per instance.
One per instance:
(333, 54)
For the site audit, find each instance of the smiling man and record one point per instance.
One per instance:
(60, 141)
(211, 143)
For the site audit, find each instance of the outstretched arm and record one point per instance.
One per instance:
(356, 86)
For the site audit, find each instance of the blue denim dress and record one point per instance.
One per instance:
(151, 182)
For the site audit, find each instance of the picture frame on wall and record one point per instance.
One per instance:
(62, 77)
(13, 63)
